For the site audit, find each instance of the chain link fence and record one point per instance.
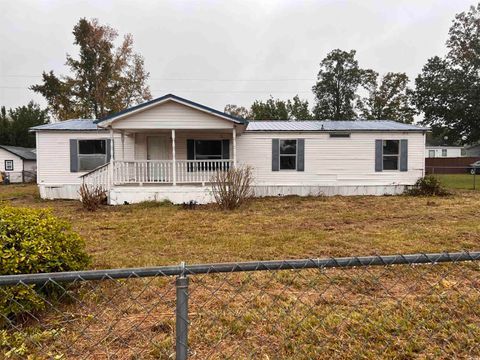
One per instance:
(400, 306)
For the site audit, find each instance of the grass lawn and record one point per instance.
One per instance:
(271, 228)
(460, 181)
(395, 312)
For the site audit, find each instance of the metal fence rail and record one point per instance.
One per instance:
(309, 308)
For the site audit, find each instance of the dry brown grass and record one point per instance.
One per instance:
(398, 312)
(271, 228)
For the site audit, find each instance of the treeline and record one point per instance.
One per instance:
(15, 122)
(446, 92)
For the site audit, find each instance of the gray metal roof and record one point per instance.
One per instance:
(329, 125)
(24, 153)
(67, 125)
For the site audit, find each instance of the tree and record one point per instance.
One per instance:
(4, 127)
(104, 80)
(276, 109)
(15, 124)
(388, 98)
(447, 91)
(337, 83)
(238, 111)
(298, 109)
(272, 109)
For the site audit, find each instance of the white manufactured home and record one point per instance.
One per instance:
(17, 163)
(170, 147)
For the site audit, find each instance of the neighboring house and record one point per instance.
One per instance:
(170, 147)
(472, 150)
(18, 163)
(444, 151)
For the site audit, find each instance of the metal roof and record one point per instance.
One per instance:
(67, 125)
(22, 152)
(329, 125)
(233, 118)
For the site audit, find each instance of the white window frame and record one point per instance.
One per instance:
(430, 152)
(195, 149)
(391, 155)
(444, 152)
(79, 155)
(287, 155)
(11, 168)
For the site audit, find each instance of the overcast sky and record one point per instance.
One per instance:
(220, 52)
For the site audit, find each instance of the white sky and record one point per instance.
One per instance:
(220, 52)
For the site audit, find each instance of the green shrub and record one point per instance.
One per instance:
(35, 241)
(429, 185)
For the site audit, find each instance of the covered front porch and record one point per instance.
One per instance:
(165, 157)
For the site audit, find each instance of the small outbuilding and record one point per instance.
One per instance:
(18, 164)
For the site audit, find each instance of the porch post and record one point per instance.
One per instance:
(234, 136)
(112, 156)
(174, 164)
(123, 145)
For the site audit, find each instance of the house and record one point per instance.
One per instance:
(170, 147)
(472, 150)
(18, 163)
(444, 151)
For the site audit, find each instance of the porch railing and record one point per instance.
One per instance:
(200, 171)
(162, 171)
(142, 171)
(98, 177)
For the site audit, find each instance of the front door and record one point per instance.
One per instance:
(157, 149)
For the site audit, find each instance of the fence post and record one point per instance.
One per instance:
(181, 317)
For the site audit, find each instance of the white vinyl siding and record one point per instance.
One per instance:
(53, 154)
(170, 115)
(331, 161)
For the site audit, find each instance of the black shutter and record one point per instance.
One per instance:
(275, 154)
(190, 153)
(109, 149)
(226, 149)
(301, 155)
(378, 155)
(73, 155)
(190, 149)
(404, 155)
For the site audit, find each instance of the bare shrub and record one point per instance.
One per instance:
(232, 188)
(427, 186)
(92, 197)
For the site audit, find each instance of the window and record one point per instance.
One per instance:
(288, 154)
(431, 153)
(339, 135)
(391, 154)
(91, 154)
(8, 165)
(208, 149)
(444, 152)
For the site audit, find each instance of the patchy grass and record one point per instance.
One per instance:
(459, 181)
(272, 228)
(395, 312)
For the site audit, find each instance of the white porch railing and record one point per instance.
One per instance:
(142, 171)
(199, 171)
(155, 172)
(161, 171)
(100, 176)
